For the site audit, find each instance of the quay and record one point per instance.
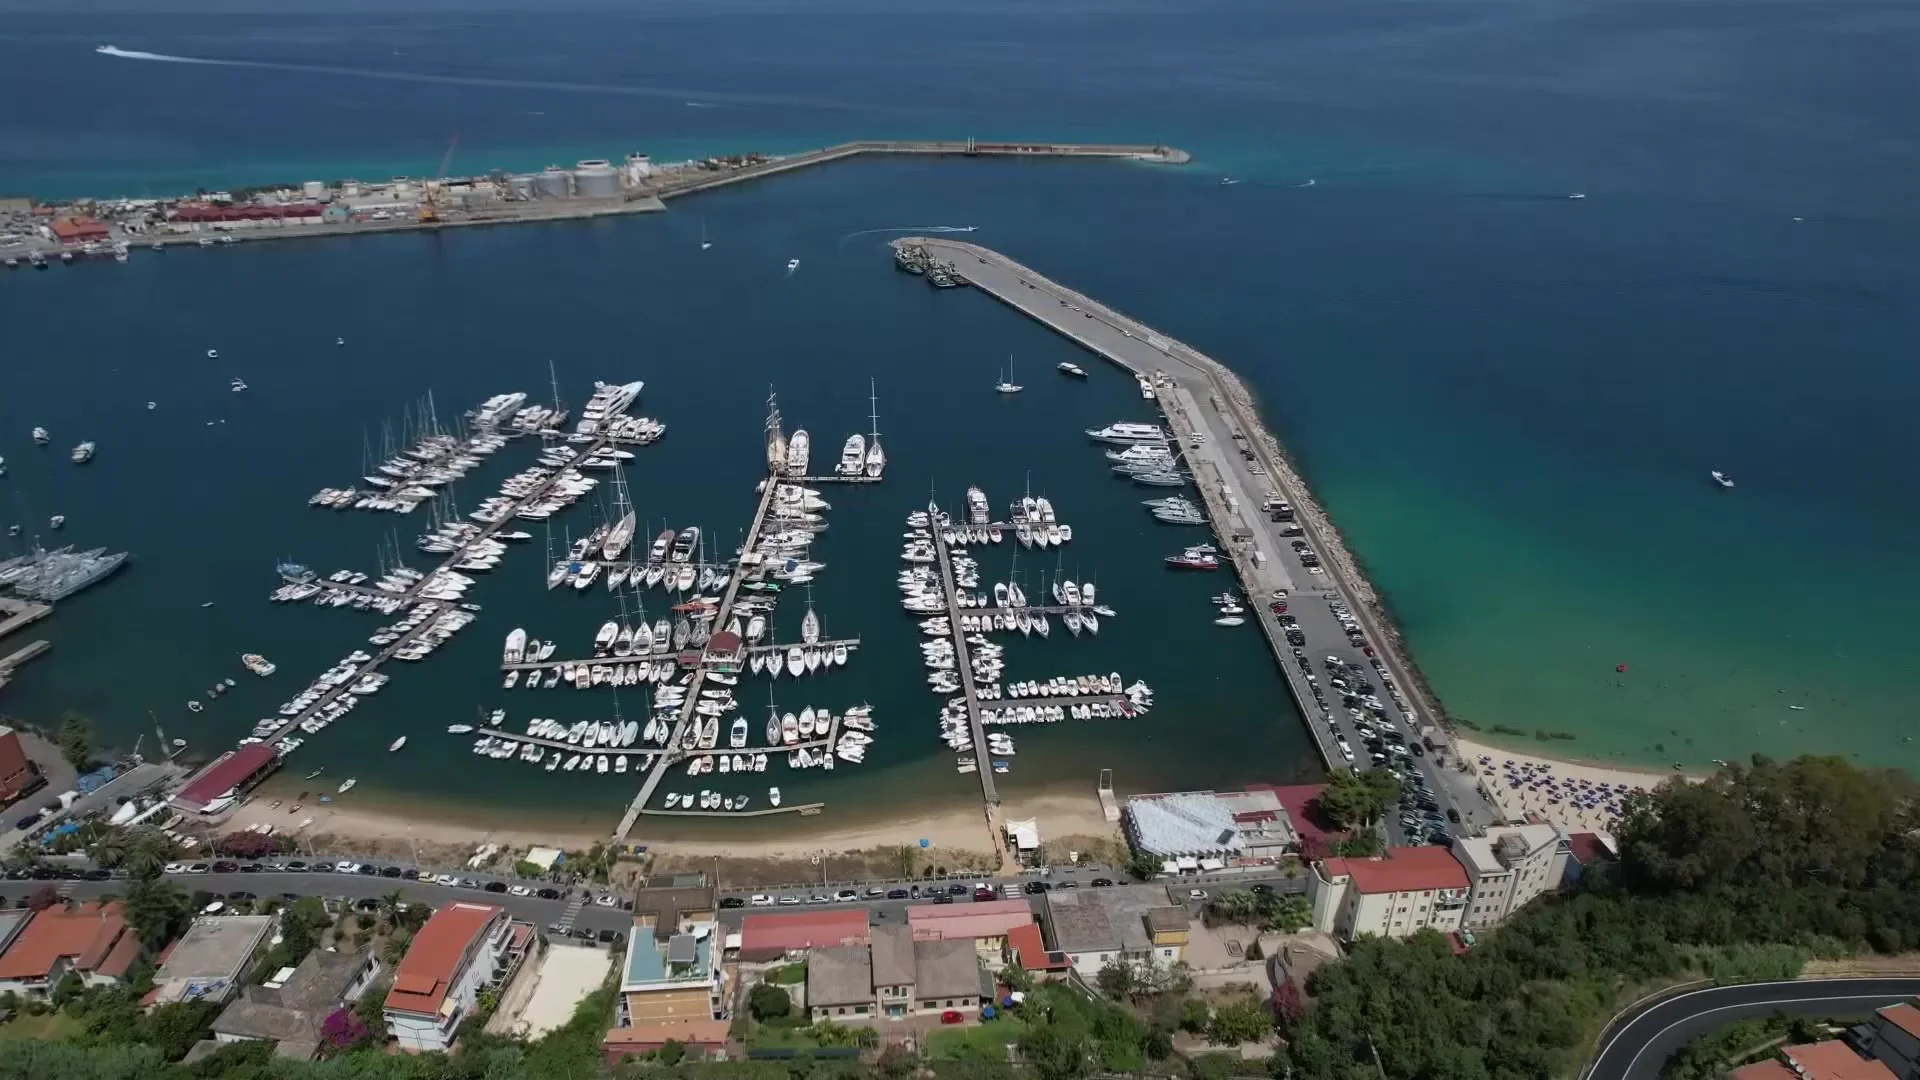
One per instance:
(14, 659)
(463, 202)
(21, 613)
(687, 715)
(1238, 467)
(616, 660)
(963, 666)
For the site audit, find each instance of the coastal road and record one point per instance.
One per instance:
(1637, 1044)
(1207, 433)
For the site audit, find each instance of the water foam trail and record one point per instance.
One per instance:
(913, 228)
(680, 94)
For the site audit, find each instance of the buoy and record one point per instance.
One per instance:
(213, 354)
(1621, 668)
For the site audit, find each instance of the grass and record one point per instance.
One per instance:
(986, 1041)
(788, 975)
(49, 1027)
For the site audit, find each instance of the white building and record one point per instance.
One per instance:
(1141, 924)
(1393, 895)
(463, 949)
(1507, 867)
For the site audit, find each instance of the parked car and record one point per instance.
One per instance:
(898, 894)
(952, 1016)
(732, 902)
(547, 894)
(495, 886)
(761, 900)
(522, 890)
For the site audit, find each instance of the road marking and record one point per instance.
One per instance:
(1634, 1061)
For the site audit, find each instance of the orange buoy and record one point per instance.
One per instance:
(1621, 668)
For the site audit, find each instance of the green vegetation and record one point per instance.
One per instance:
(1710, 1056)
(75, 739)
(1351, 801)
(1743, 876)
(1270, 911)
(788, 974)
(768, 1002)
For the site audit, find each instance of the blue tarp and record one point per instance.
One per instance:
(93, 781)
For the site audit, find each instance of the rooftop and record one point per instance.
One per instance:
(1483, 855)
(219, 779)
(1903, 1016)
(1402, 869)
(1234, 823)
(211, 958)
(893, 955)
(1104, 920)
(1833, 1060)
(943, 969)
(771, 935)
(433, 962)
(665, 906)
(989, 918)
(87, 936)
(840, 975)
(1032, 952)
(295, 1011)
(650, 959)
(1303, 811)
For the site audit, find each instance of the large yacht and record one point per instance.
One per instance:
(1123, 433)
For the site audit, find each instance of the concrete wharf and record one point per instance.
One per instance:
(963, 666)
(863, 478)
(687, 715)
(411, 597)
(1234, 461)
(21, 613)
(806, 809)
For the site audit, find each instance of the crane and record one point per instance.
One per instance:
(430, 210)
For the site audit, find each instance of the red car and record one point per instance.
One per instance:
(951, 1016)
(1279, 607)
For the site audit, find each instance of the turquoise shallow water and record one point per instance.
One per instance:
(1508, 399)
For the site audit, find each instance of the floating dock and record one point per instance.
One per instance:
(1210, 416)
(963, 665)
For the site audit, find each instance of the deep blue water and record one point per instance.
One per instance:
(1508, 399)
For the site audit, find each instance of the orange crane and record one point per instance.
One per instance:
(430, 210)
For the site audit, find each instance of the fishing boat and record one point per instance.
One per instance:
(393, 746)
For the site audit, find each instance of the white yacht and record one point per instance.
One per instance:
(516, 647)
(798, 448)
(792, 265)
(853, 456)
(83, 453)
(1722, 479)
(1073, 369)
(1006, 385)
(1124, 433)
(40, 436)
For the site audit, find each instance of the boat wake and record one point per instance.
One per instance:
(1310, 182)
(911, 229)
(691, 98)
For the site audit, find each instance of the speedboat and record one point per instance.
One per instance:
(1070, 368)
(792, 265)
(1722, 479)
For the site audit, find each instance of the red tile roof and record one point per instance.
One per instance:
(88, 936)
(1769, 1069)
(1833, 1060)
(1586, 848)
(991, 918)
(1403, 869)
(1903, 1016)
(433, 962)
(1032, 950)
(227, 772)
(767, 936)
(1303, 811)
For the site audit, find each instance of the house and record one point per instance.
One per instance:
(1506, 868)
(81, 230)
(1893, 1038)
(1830, 1060)
(986, 924)
(90, 940)
(673, 986)
(1025, 948)
(464, 948)
(895, 977)
(1586, 850)
(1134, 923)
(770, 937)
(288, 1009)
(211, 960)
(217, 788)
(1392, 895)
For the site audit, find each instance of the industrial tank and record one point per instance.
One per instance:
(553, 182)
(520, 187)
(596, 180)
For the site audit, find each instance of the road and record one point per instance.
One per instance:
(1249, 471)
(1637, 1046)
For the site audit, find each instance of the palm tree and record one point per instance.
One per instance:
(390, 905)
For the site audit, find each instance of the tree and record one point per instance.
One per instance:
(141, 852)
(671, 1052)
(896, 1062)
(175, 1028)
(1053, 1055)
(1194, 1016)
(75, 739)
(1360, 844)
(904, 859)
(768, 1002)
(1116, 980)
(42, 898)
(1239, 1022)
(1287, 1005)
(1349, 800)
(1236, 906)
(155, 909)
(343, 1030)
(1287, 914)
(371, 1008)
(390, 905)
(1143, 867)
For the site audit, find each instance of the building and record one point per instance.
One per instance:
(211, 960)
(1508, 867)
(895, 977)
(1586, 850)
(217, 788)
(464, 948)
(75, 231)
(90, 940)
(1229, 826)
(1134, 923)
(18, 774)
(986, 924)
(770, 937)
(1893, 1038)
(1830, 1060)
(673, 986)
(1023, 840)
(1393, 895)
(288, 1009)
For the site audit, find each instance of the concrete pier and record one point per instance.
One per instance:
(1237, 465)
(963, 667)
(20, 614)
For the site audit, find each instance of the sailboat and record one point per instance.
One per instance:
(876, 457)
(810, 624)
(1006, 385)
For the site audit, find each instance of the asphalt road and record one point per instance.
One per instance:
(1112, 334)
(1637, 1047)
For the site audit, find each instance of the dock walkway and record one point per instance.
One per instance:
(963, 666)
(1236, 464)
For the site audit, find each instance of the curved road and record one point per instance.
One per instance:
(1637, 1047)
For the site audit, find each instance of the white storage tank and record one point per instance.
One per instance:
(553, 182)
(638, 168)
(313, 189)
(596, 179)
(520, 187)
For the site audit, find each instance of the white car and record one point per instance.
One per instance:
(446, 879)
(605, 901)
(174, 868)
(346, 868)
(761, 900)
(519, 890)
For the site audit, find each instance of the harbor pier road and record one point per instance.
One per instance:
(1238, 468)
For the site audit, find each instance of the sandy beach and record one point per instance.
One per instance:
(1580, 796)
